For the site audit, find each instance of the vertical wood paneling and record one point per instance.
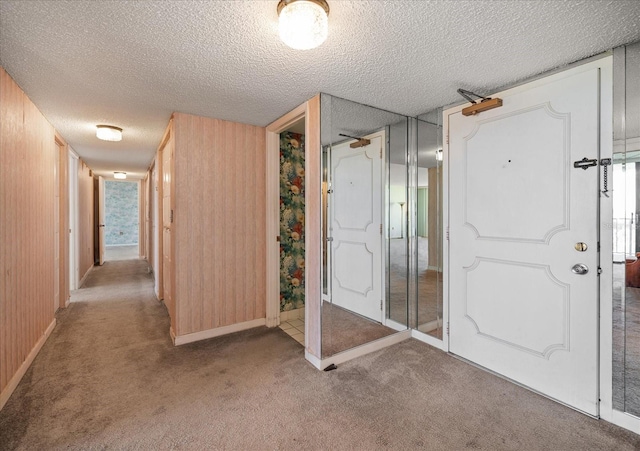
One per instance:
(435, 216)
(86, 219)
(313, 227)
(208, 282)
(27, 246)
(219, 260)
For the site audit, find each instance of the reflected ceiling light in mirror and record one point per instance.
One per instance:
(120, 175)
(303, 24)
(108, 133)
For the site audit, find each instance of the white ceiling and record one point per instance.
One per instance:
(132, 63)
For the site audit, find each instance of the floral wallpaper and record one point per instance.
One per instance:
(121, 212)
(291, 221)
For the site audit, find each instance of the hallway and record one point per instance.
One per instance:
(109, 377)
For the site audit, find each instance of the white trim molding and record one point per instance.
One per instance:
(358, 351)
(216, 332)
(17, 377)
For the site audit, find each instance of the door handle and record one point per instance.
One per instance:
(580, 268)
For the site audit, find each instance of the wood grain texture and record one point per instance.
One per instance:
(86, 219)
(218, 230)
(313, 228)
(27, 245)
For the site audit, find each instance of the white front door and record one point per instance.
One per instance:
(517, 209)
(356, 218)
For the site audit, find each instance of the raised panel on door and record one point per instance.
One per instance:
(517, 209)
(355, 228)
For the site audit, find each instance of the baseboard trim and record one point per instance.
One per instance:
(359, 351)
(431, 325)
(428, 339)
(218, 331)
(17, 377)
(315, 361)
(292, 314)
(395, 325)
(172, 334)
(86, 274)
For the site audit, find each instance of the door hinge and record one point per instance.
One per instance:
(381, 153)
(447, 233)
(380, 229)
(599, 270)
(447, 327)
(380, 304)
(171, 217)
(329, 238)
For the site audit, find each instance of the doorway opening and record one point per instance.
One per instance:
(291, 235)
(121, 235)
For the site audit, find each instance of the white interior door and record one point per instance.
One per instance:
(101, 219)
(356, 218)
(517, 209)
(73, 222)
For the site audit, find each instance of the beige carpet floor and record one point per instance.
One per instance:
(109, 378)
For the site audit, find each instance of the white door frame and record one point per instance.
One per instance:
(74, 245)
(273, 210)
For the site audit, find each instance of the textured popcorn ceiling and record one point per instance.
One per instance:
(132, 63)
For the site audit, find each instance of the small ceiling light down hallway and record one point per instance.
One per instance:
(120, 175)
(303, 24)
(108, 133)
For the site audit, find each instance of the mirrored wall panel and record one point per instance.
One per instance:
(364, 206)
(626, 241)
(428, 218)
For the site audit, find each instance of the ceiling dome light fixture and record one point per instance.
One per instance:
(120, 175)
(303, 24)
(108, 133)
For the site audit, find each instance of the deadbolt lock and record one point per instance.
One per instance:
(581, 247)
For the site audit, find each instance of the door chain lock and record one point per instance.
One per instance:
(605, 162)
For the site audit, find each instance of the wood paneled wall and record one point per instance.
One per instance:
(86, 219)
(219, 221)
(27, 246)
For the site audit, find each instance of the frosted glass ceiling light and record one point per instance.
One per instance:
(303, 24)
(108, 133)
(120, 175)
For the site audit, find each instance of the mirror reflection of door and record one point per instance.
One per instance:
(626, 298)
(626, 243)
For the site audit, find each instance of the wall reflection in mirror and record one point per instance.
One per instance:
(626, 238)
(428, 242)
